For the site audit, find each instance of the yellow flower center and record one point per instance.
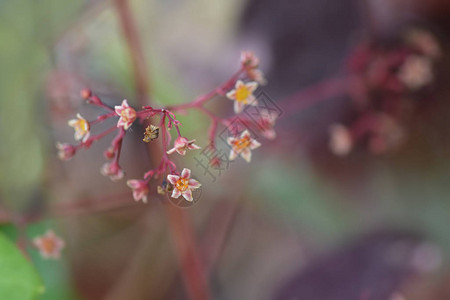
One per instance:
(182, 184)
(82, 126)
(242, 143)
(128, 114)
(48, 245)
(242, 93)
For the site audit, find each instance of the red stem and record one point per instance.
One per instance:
(135, 48)
(314, 94)
(192, 267)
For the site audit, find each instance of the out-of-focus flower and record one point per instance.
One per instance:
(257, 75)
(181, 144)
(140, 189)
(425, 42)
(341, 141)
(242, 145)
(249, 60)
(242, 94)
(109, 153)
(387, 135)
(49, 245)
(151, 133)
(267, 122)
(82, 128)
(112, 170)
(86, 93)
(183, 185)
(397, 296)
(127, 115)
(250, 64)
(416, 72)
(65, 151)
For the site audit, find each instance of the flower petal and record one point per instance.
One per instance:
(180, 142)
(186, 173)
(231, 95)
(73, 122)
(239, 84)
(187, 194)
(176, 193)
(127, 125)
(252, 86)
(251, 100)
(233, 154)
(194, 184)
(118, 109)
(245, 134)
(137, 195)
(181, 150)
(238, 107)
(125, 103)
(133, 183)
(254, 144)
(246, 154)
(171, 150)
(86, 136)
(120, 123)
(173, 178)
(192, 146)
(231, 140)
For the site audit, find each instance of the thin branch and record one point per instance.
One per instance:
(192, 268)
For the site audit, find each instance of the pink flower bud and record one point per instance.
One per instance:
(65, 151)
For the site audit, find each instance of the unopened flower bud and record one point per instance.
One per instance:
(65, 151)
(86, 93)
(109, 153)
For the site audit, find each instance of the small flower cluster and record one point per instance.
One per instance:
(386, 83)
(178, 184)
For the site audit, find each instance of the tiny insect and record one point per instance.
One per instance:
(151, 133)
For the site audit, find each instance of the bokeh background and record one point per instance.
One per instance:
(298, 222)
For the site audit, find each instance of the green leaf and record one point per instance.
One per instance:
(18, 278)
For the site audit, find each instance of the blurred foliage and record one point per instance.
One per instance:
(18, 278)
(27, 30)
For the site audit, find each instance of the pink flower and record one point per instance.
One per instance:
(256, 75)
(267, 122)
(112, 170)
(140, 189)
(425, 42)
(416, 72)
(183, 185)
(127, 115)
(243, 145)
(341, 141)
(242, 94)
(65, 151)
(250, 64)
(81, 127)
(181, 144)
(249, 60)
(109, 153)
(49, 245)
